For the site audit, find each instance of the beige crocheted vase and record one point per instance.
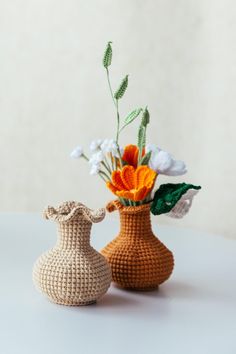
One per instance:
(138, 259)
(73, 273)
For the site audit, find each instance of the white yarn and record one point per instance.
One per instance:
(94, 169)
(110, 146)
(163, 163)
(96, 158)
(183, 206)
(95, 145)
(77, 152)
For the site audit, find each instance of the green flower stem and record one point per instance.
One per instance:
(124, 201)
(105, 175)
(122, 128)
(85, 157)
(118, 122)
(100, 175)
(112, 163)
(106, 165)
(120, 157)
(109, 166)
(116, 105)
(110, 88)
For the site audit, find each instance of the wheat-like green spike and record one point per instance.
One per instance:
(145, 118)
(122, 88)
(107, 55)
(141, 141)
(141, 137)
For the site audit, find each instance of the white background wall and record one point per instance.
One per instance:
(181, 57)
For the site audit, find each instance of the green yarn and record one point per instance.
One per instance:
(145, 118)
(107, 55)
(142, 137)
(145, 159)
(122, 88)
(167, 196)
(132, 116)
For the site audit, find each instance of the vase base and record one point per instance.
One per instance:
(141, 289)
(85, 303)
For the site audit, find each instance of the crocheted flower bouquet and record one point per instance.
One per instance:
(138, 259)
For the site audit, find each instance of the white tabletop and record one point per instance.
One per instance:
(194, 312)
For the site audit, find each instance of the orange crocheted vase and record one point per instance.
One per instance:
(138, 259)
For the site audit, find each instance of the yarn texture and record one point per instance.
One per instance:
(72, 272)
(131, 183)
(168, 195)
(138, 259)
(184, 204)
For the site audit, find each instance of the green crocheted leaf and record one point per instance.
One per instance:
(168, 195)
(122, 88)
(107, 55)
(145, 159)
(132, 116)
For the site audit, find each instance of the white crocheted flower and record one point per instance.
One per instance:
(96, 158)
(77, 152)
(94, 169)
(110, 146)
(183, 206)
(177, 168)
(160, 161)
(163, 163)
(95, 145)
(152, 148)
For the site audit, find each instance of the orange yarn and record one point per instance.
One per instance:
(131, 183)
(137, 258)
(130, 155)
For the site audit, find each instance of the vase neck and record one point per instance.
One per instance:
(137, 224)
(74, 235)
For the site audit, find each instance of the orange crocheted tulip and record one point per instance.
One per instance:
(130, 155)
(131, 183)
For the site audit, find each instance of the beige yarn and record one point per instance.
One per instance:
(72, 273)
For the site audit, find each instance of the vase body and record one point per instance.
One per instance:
(73, 273)
(138, 259)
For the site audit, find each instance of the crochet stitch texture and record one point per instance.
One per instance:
(72, 272)
(139, 260)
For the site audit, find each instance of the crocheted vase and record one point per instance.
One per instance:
(138, 259)
(73, 273)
